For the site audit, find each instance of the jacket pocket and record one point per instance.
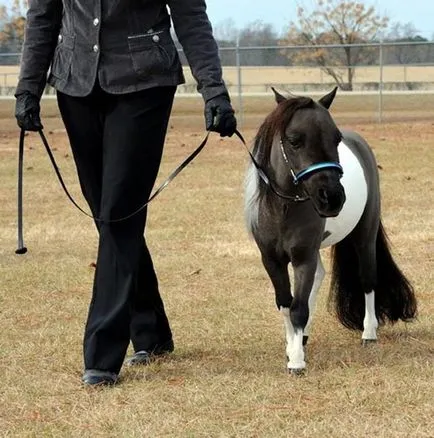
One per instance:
(62, 56)
(153, 53)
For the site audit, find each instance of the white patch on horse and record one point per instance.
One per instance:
(318, 279)
(356, 192)
(294, 342)
(370, 323)
(296, 352)
(251, 205)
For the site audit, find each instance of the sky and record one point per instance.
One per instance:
(280, 12)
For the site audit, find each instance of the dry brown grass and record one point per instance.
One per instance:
(255, 79)
(227, 377)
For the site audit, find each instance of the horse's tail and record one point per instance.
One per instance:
(396, 298)
(394, 295)
(346, 293)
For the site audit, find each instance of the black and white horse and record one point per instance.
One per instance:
(315, 186)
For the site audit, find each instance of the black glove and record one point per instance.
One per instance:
(27, 112)
(219, 116)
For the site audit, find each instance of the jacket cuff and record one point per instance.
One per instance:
(209, 93)
(29, 88)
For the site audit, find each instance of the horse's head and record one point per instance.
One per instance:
(308, 140)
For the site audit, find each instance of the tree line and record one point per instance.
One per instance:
(335, 35)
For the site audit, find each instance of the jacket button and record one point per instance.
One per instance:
(96, 22)
(95, 48)
(155, 38)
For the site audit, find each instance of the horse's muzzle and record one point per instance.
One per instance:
(329, 202)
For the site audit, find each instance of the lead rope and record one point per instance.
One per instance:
(22, 249)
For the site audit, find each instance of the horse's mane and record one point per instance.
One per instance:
(276, 123)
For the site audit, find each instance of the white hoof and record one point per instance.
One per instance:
(296, 366)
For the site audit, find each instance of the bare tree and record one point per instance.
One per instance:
(251, 38)
(257, 35)
(226, 32)
(406, 54)
(344, 23)
(12, 26)
(19, 7)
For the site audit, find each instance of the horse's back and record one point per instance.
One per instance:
(359, 176)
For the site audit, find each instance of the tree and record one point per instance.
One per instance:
(12, 33)
(19, 7)
(405, 49)
(226, 33)
(12, 27)
(406, 54)
(345, 23)
(258, 35)
(255, 34)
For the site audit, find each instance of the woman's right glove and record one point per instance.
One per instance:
(27, 111)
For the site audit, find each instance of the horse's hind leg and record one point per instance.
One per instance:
(319, 277)
(370, 323)
(353, 283)
(368, 274)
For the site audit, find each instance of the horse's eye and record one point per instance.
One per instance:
(295, 140)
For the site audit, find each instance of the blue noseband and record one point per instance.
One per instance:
(305, 173)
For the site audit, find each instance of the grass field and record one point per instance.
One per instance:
(227, 376)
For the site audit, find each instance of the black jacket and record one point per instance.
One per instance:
(126, 44)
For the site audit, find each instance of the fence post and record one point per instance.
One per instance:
(239, 80)
(380, 85)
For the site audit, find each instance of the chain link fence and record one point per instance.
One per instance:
(376, 68)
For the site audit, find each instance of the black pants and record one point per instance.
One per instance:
(117, 143)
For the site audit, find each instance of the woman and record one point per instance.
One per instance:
(115, 68)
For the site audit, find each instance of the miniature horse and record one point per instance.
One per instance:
(310, 186)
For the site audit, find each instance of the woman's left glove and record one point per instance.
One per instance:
(219, 116)
(27, 112)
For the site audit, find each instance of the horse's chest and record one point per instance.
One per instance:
(356, 192)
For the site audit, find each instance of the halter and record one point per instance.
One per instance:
(310, 170)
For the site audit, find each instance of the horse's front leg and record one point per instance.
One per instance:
(277, 269)
(305, 266)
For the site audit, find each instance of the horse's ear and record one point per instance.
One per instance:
(327, 100)
(279, 98)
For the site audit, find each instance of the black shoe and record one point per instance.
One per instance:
(144, 357)
(99, 378)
